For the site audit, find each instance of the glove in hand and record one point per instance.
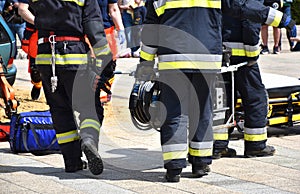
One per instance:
(121, 36)
(145, 71)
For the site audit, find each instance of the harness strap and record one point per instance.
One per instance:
(60, 39)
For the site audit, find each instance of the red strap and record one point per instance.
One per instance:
(64, 38)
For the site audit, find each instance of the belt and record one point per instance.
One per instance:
(60, 39)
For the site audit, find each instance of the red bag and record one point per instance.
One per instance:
(29, 42)
(4, 131)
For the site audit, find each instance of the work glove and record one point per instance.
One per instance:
(121, 36)
(98, 83)
(144, 71)
(290, 24)
(227, 52)
(99, 76)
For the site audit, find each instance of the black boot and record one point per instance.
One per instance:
(173, 175)
(227, 152)
(35, 93)
(268, 151)
(91, 152)
(74, 165)
(200, 170)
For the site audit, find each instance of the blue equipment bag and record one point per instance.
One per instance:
(32, 132)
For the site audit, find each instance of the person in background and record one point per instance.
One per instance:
(29, 46)
(133, 13)
(286, 9)
(296, 46)
(112, 21)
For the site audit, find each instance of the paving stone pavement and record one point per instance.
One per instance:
(133, 160)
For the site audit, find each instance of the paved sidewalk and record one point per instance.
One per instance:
(133, 161)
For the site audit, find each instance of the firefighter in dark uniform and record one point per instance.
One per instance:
(189, 53)
(243, 39)
(62, 60)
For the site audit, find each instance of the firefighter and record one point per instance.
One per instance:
(29, 46)
(242, 37)
(66, 72)
(189, 56)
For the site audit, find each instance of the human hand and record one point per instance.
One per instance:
(145, 71)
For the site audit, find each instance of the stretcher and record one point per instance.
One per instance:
(283, 102)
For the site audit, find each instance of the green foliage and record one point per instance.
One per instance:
(296, 11)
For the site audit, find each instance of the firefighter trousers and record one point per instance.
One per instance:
(248, 84)
(187, 129)
(73, 94)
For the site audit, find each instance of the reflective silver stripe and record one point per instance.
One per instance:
(221, 130)
(159, 3)
(252, 48)
(174, 147)
(201, 145)
(190, 57)
(240, 45)
(71, 136)
(90, 123)
(255, 131)
(67, 136)
(102, 51)
(271, 16)
(68, 59)
(148, 49)
(274, 17)
(236, 45)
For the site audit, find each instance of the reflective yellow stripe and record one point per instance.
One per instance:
(67, 137)
(189, 65)
(104, 50)
(67, 59)
(240, 49)
(252, 53)
(90, 123)
(186, 4)
(200, 153)
(147, 56)
(98, 63)
(175, 155)
(242, 52)
(274, 17)
(260, 137)
(80, 2)
(238, 52)
(277, 20)
(220, 136)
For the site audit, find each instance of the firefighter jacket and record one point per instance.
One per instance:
(187, 35)
(70, 20)
(243, 37)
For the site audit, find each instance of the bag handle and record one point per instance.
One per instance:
(36, 139)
